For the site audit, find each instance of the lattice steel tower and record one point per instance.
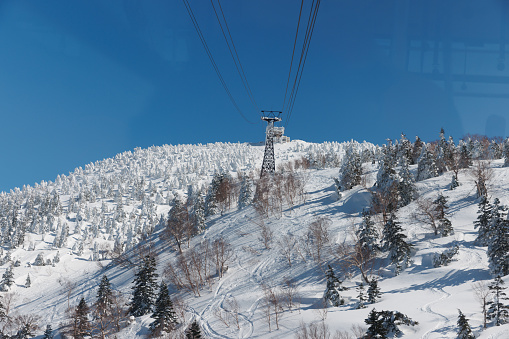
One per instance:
(269, 162)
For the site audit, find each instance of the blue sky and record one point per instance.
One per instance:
(84, 80)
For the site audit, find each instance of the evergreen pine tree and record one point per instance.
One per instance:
(444, 226)
(81, 324)
(7, 279)
(376, 330)
(351, 168)
(373, 291)
(361, 296)
(367, 234)
(334, 285)
(245, 193)
(28, 282)
(393, 240)
(426, 166)
(497, 310)
(441, 153)
(506, 152)
(164, 315)
(465, 160)
(194, 331)
(48, 333)
(483, 221)
(39, 260)
(454, 182)
(498, 247)
(406, 187)
(144, 288)
(464, 330)
(104, 299)
(417, 149)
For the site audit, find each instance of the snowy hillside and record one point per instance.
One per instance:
(102, 219)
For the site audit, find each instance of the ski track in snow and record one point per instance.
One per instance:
(442, 319)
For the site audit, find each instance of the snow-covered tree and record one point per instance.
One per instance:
(361, 296)
(393, 241)
(464, 330)
(417, 149)
(506, 152)
(27, 281)
(80, 323)
(373, 291)
(498, 244)
(164, 314)
(367, 234)
(245, 192)
(7, 279)
(144, 288)
(426, 166)
(445, 258)
(104, 299)
(444, 225)
(194, 331)
(498, 312)
(334, 285)
(454, 182)
(384, 324)
(48, 333)
(406, 187)
(483, 221)
(350, 172)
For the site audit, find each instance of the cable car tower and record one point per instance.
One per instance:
(269, 162)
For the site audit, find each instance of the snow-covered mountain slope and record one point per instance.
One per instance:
(119, 203)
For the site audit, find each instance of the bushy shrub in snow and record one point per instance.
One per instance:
(446, 257)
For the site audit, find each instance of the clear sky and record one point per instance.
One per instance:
(82, 81)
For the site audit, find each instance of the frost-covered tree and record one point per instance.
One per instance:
(406, 187)
(350, 172)
(361, 296)
(454, 182)
(498, 245)
(465, 155)
(393, 241)
(245, 192)
(7, 279)
(464, 330)
(144, 288)
(39, 260)
(405, 150)
(444, 225)
(164, 314)
(483, 221)
(28, 283)
(80, 323)
(104, 299)
(426, 165)
(417, 149)
(384, 324)
(334, 285)
(374, 292)
(367, 234)
(506, 152)
(498, 312)
(48, 333)
(445, 258)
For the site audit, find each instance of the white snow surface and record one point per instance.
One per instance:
(431, 296)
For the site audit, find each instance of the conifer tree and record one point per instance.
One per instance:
(361, 296)
(465, 160)
(426, 166)
(245, 193)
(506, 152)
(442, 153)
(194, 331)
(367, 234)
(497, 310)
(405, 150)
(444, 226)
(454, 182)
(498, 247)
(384, 324)
(81, 325)
(351, 168)
(417, 149)
(464, 330)
(144, 288)
(373, 291)
(334, 285)
(48, 333)
(7, 279)
(39, 260)
(164, 314)
(406, 187)
(483, 221)
(28, 282)
(104, 299)
(393, 240)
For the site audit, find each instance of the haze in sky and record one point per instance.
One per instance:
(83, 81)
